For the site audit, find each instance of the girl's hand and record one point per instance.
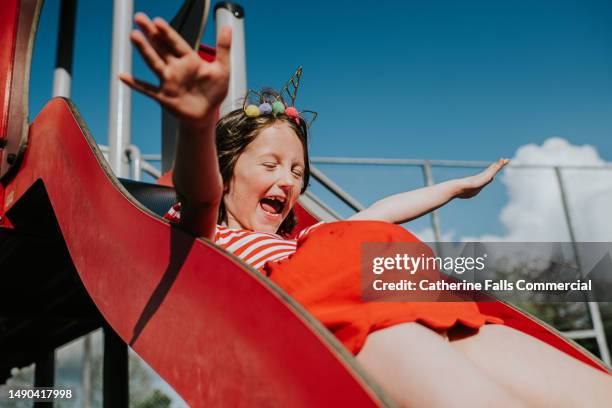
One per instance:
(470, 186)
(189, 87)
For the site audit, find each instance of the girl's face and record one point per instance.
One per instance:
(267, 180)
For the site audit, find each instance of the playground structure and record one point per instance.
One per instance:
(87, 249)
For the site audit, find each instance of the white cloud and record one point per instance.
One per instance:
(534, 212)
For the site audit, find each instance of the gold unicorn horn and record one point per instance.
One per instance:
(291, 87)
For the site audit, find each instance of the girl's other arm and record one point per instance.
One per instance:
(192, 90)
(403, 207)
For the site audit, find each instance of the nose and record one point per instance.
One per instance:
(287, 180)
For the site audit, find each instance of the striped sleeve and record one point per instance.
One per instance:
(308, 229)
(174, 213)
(252, 247)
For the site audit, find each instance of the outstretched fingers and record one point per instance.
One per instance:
(153, 36)
(150, 55)
(498, 165)
(493, 169)
(143, 87)
(175, 43)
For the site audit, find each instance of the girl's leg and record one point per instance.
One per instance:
(418, 368)
(536, 372)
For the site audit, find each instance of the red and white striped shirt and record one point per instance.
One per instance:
(253, 247)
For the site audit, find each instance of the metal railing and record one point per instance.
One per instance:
(138, 163)
(141, 163)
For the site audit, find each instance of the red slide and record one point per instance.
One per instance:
(217, 331)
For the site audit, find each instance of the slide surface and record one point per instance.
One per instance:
(218, 332)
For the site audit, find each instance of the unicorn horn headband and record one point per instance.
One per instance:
(270, 102)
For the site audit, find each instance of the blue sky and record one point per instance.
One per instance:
(471, 80)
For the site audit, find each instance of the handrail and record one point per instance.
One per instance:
(446, 163)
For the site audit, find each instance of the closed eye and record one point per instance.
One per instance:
(269, 165)
(298, 171)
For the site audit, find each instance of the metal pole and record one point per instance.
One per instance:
(441, 163)
(593, 306)
(115, 381)
(119, 120)
(135, 161)
(44, 374)
(336, 190)
(150, 170)
(229, 14)
(318, 208)
(86, 372)
(62, 76)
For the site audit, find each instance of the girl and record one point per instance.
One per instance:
(240, 192)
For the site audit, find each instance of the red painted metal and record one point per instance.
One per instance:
(9, 19)
(165, 179)
(18, 18)
(2, 216)
(5, 222)
(218, 332)
(304, 218)
(207, 53)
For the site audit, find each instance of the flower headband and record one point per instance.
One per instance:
(270, 102)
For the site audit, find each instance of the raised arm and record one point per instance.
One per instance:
(403, 207)
(192, 90)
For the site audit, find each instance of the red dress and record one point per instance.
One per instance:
(322, 272)
(324, 276)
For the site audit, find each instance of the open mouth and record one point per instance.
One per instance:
(273, 205)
